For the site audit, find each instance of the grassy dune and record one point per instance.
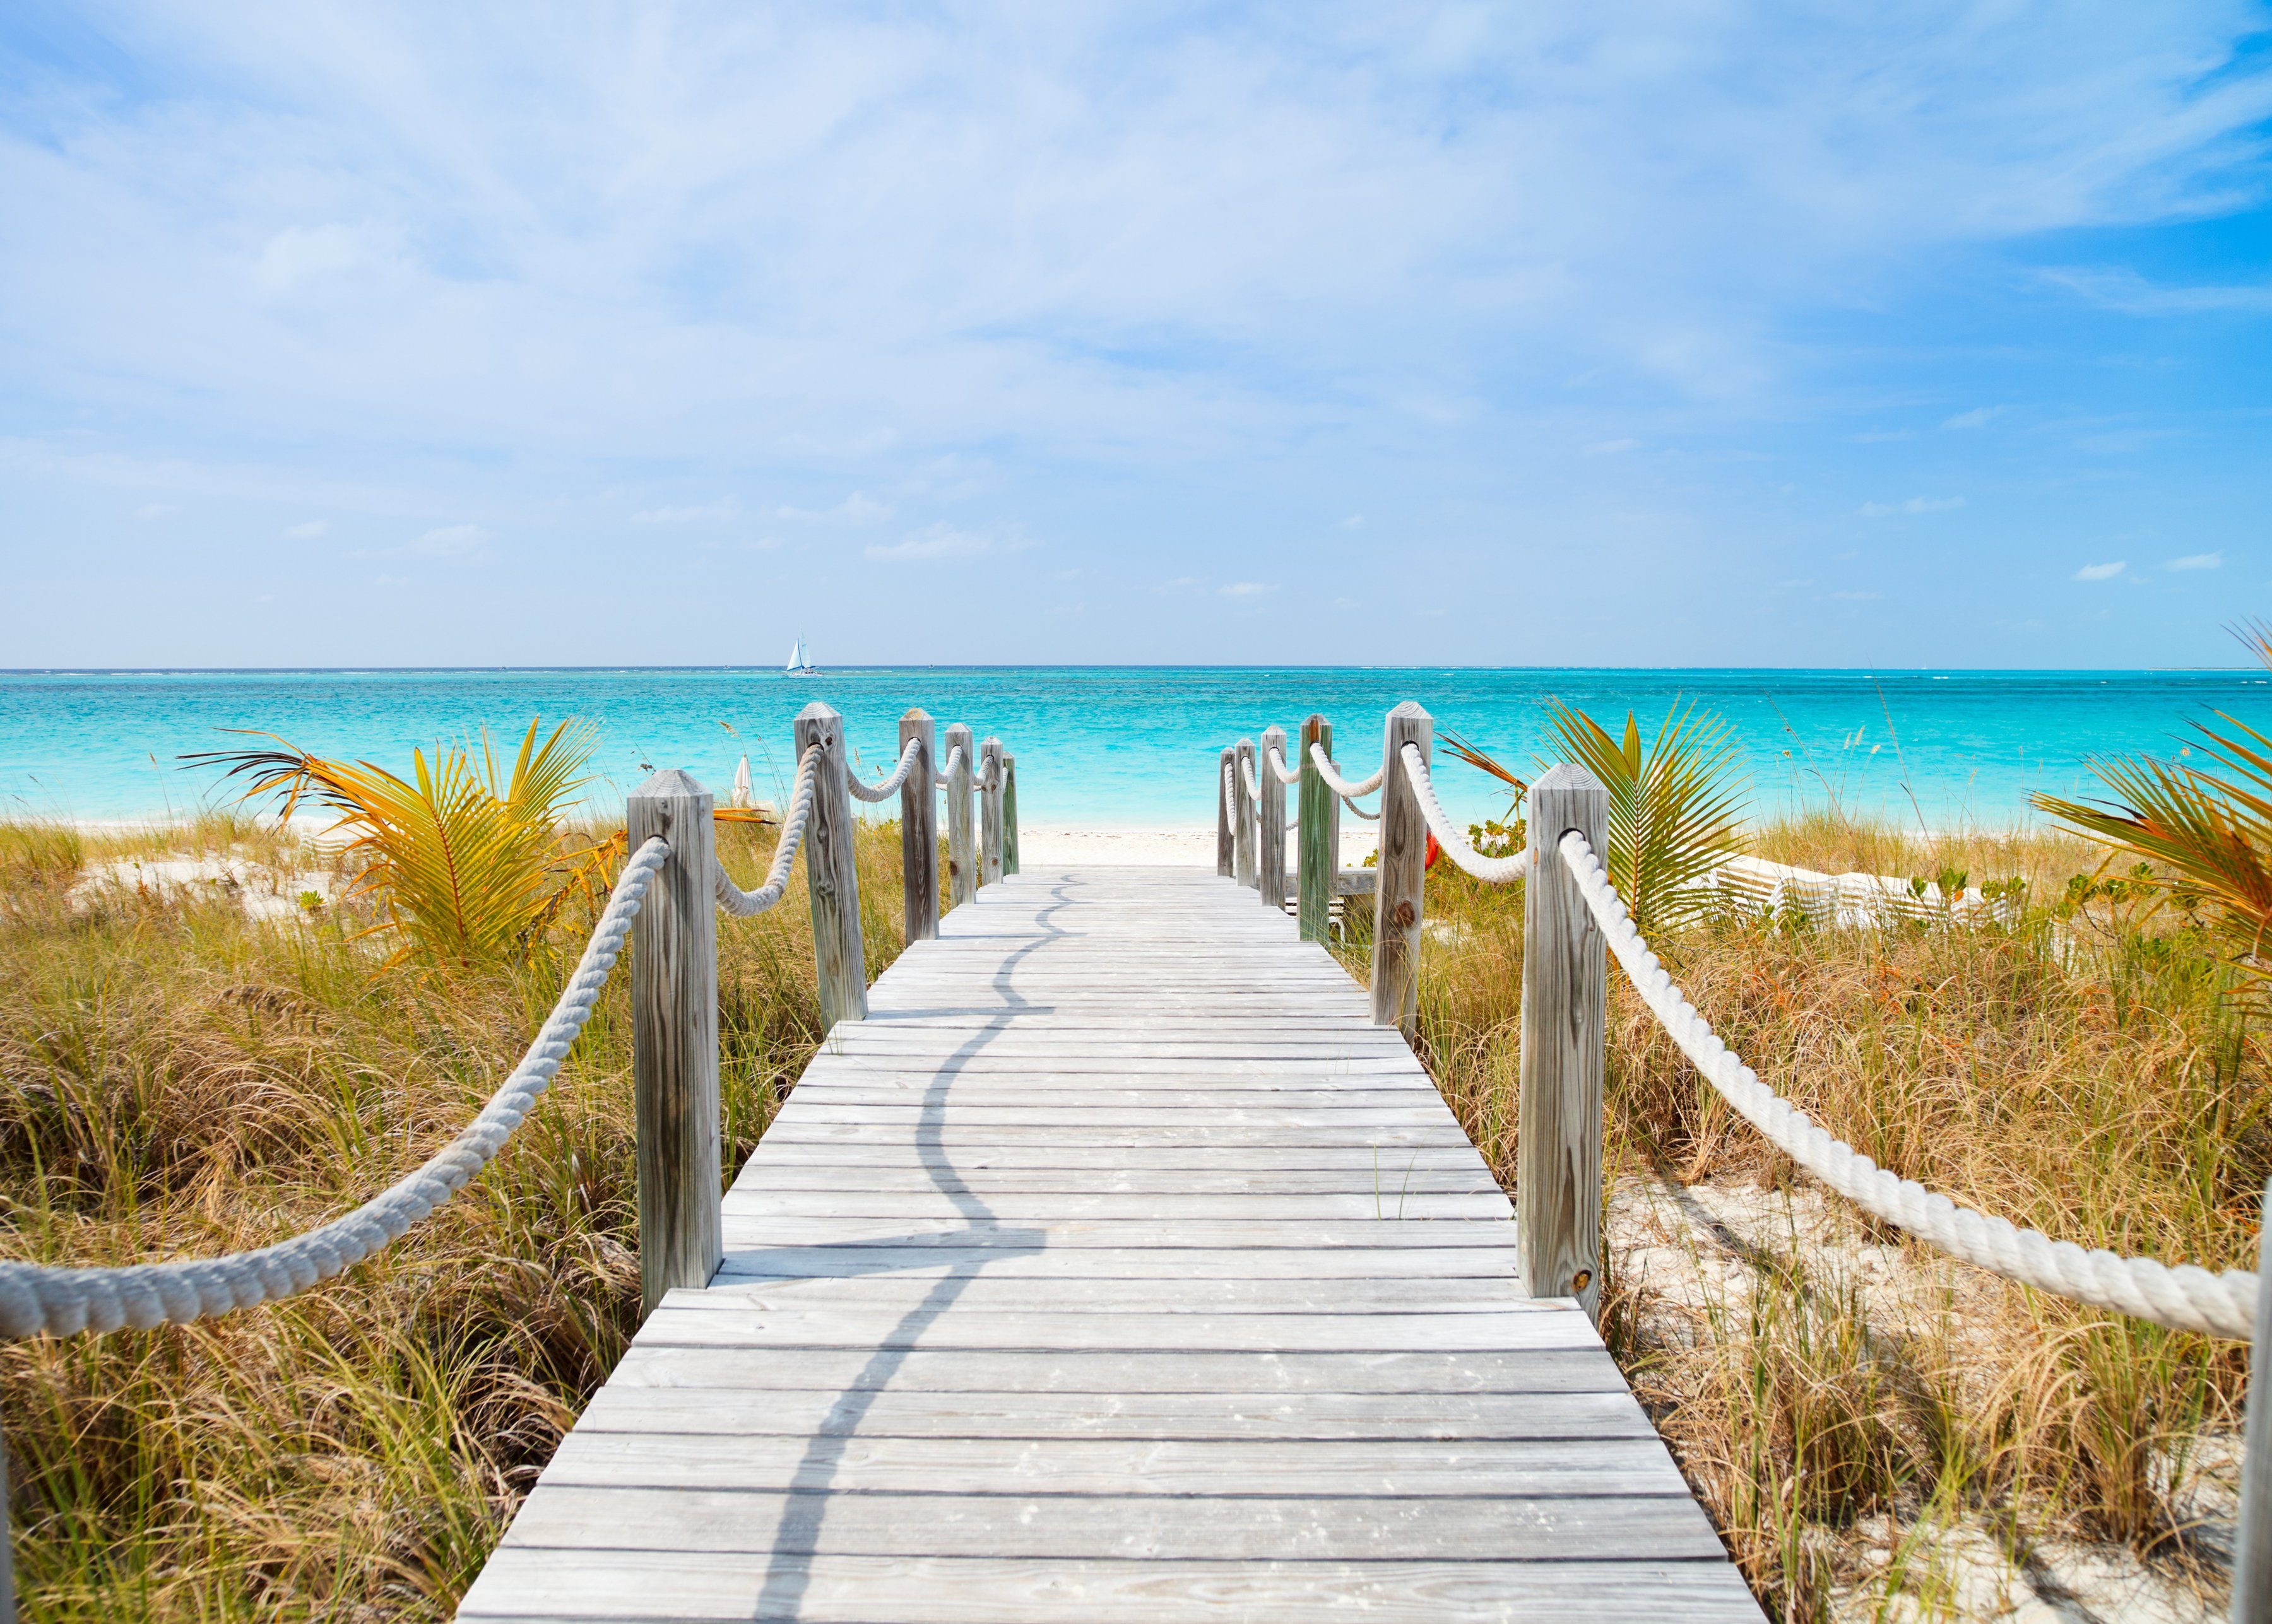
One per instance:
(176, 1079)
(1849, 1404)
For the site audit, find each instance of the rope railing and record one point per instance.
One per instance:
(2184, 1298)
(1246, 777)
(1492, 870)
(1339, 784)
(1286, 775)
(874, 792)
(58, 1302)
(749, 904)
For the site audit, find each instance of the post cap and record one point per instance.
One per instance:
(671, 783)
(819, 711)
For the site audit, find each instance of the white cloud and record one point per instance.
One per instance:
(2197, 560)
(150, 510)
(1977, 418)
(1857, 597)
(1915, 505)
(725, 507)
(2117, 289)
(1610, 448)
(856, 509)
(308, 531)
(2100, 572)
(449, 541)
(1246, 589)
(1355, 521)
(936, 541)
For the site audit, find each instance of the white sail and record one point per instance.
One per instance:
(796, 656)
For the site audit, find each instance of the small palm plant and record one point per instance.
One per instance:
(463, 863)
(2208, 826)
(1675, 804)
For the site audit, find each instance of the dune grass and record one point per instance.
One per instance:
(1840, 1397)
(179, 1079)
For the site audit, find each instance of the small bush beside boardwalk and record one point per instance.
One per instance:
(178, 1077)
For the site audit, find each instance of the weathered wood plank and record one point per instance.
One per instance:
(1116, 1267)
(536, 1584)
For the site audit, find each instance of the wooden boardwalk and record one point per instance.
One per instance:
(1116, 1268)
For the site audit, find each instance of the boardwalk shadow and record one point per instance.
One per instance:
(798, 1536)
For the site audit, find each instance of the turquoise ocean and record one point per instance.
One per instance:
(1118, 746)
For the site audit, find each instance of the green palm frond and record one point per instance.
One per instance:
(2209, 826)
(1676, 805)
(457, 862)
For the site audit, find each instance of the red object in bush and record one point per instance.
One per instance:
(1435, 851)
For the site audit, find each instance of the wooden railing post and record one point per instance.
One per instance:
(919, 826)
(990, 814)
(1398, 898)
(1009, 815)
(1226, 859)
(1242, 814)
(832, 871)
(2251, 1559)
(1318, 858)
(1271, 821)
(675, 1040)
(1557, 1178)
(961, 851)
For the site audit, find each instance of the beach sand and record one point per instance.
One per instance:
(1192, 848)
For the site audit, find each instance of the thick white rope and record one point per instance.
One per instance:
(1493, 870)
(884, 791)
(1279, 769)
(1339, 784)
(1246, 777)
(2184, 1298)
(1369, 817)
(63, 1302)
(948, 768)
(1229, 791)
(748, 904)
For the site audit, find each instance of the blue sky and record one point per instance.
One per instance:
(1379, 333)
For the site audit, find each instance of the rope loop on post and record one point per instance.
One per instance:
(2184, 1298)
(873, 792)
(1339, 784)
(1491, 870)
(1283, 773)
(749, 904)
(64, 1302)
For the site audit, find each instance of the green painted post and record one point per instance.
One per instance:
(1318, 859)
(1009, 815)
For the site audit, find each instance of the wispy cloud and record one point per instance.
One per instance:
(936, 541)
(2197, 560)
(1610, 448)
(725, 507)
(2100, 572)
(310, 531)
(856, 509)
(2115, 287)
(1978, 417)
(150, 510)
(1246, 589)
(1915, 505)
(449, 541)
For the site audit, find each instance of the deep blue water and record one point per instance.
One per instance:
(1119, 745)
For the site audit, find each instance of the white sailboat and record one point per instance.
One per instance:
(798, 665)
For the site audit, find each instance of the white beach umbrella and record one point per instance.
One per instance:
(742, 783)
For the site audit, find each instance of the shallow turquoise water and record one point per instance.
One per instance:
(1118, 745)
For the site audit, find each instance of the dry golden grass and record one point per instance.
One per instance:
(177, 1079)
(1824, 1381)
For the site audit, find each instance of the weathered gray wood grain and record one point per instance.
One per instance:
(919, 827)
(674, 1039)
(1565, 1011)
